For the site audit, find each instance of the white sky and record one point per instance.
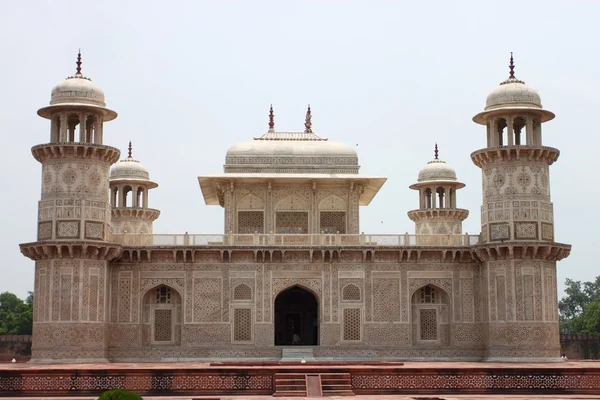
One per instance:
(189, 79)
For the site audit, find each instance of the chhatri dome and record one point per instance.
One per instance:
(296, 151)
(130, 169)
(437, 170)
(77, 90)
(513, 94)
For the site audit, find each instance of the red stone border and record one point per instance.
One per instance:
(258, 379)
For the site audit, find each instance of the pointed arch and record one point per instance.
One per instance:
(161, 315)
(333, 202)
(351, 292)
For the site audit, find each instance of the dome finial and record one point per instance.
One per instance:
(271, 119)
(130, 149)
(512, 67)
(307, 121)
(78, 63)
(435, 151)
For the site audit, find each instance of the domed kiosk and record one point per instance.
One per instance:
(437, 213)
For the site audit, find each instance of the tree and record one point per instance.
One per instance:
(16, 316)
(573, 307)
(589, 320)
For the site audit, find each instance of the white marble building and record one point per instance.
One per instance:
(292, 269)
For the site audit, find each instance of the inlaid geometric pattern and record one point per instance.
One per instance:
(67, 229)
(250, 222)
(428, 324)
(45, 230)
(242, 325)
(163, 325)
(332, 222)
(291, 222)
(526, 230)
(242, 292)
(351, 292)
(351, 324)
(528, 301)
(547, 231)
(94, 230)
(500, 231)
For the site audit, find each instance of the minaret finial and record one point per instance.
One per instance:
(512, 67)
(271, 119)
(435, 151)
(307, 121)
(130, 149)
(78, 63)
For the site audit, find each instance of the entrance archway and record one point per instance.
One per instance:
(296, 318)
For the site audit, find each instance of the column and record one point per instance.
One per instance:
(83, 128)
(99, 130)
(529, 131)
(134, 197)
(489, 134)
(145, 197)
(63, 128)
(53, 130)
(493, 133)
(509, 131)
(121, 197)
(433, 197)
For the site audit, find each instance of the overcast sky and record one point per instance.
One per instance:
(189, 79)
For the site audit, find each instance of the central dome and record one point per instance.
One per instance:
(291, 152)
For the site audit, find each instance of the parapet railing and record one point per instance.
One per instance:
(276, 239)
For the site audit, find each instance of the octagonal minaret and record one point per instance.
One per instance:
(517, 249)
(437, 213)
(129, 186)
(73, 247)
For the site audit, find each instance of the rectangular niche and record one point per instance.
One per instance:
(249, 222)
(291, 222)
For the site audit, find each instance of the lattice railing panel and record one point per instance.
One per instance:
(163, 323)
(251, 222)
(242, 325)
(351, 324)
(428, 324)
(332, 222)
(291, 222)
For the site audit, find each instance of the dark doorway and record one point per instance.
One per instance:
(296, 318)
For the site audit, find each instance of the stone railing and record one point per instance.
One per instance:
(132, 239)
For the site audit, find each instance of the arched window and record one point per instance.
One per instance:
(163, 295)
(428, 198)
(431, 315)
(441, 193)
(242, 292)
(351, 292)
(500, 125)
(518, 125)
(161, 316)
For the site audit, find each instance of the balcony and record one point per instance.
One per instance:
(273, 240)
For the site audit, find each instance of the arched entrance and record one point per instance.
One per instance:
(296, 318)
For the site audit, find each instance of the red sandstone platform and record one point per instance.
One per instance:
(419, 379)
